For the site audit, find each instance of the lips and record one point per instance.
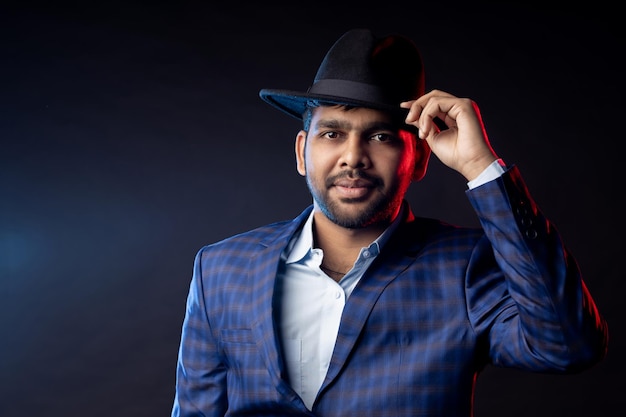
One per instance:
(353, 183)
(353, 188)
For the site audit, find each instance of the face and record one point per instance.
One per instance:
(358, 165)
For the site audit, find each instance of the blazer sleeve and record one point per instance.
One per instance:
(200, 371)
(544, 318)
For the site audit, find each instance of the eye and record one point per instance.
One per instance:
(383, 137)
(330, 135)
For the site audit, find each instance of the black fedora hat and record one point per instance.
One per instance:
(361, 70)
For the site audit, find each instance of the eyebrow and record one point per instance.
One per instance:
(345, 125)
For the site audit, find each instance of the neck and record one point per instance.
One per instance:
(341, 246)
(327, 233)
(336, 275)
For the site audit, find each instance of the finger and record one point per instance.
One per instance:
(429, 132)
(414, 111)
(434, 117)
(441, 109)
(430, 112)
(433, 94)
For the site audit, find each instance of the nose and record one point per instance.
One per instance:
(355, 153)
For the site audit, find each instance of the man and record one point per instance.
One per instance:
(359, 308)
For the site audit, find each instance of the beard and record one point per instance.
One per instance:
(380, 209)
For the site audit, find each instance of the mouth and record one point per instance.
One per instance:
(350, 188)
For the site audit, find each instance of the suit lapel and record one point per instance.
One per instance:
(262, 274)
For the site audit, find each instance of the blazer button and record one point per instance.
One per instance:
(526, 221)
(521, 207)
(530, 233)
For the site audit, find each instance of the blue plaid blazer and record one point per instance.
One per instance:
(438, 304)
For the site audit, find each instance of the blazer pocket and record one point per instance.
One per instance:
(242, 356)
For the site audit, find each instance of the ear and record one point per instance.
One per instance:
(422, 155)
(300, 144)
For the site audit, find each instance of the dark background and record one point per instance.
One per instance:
(132, 134)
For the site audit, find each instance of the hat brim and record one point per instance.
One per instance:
(294, 103)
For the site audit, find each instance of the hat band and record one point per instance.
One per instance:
(350, 90)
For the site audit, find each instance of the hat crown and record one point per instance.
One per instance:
(361, 70)
(392, 65)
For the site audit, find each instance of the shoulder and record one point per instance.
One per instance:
(277, 233)
(432, 236)
(427, 228)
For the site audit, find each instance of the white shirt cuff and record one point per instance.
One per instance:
(493, 171)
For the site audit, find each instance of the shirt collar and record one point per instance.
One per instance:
(303, 243)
